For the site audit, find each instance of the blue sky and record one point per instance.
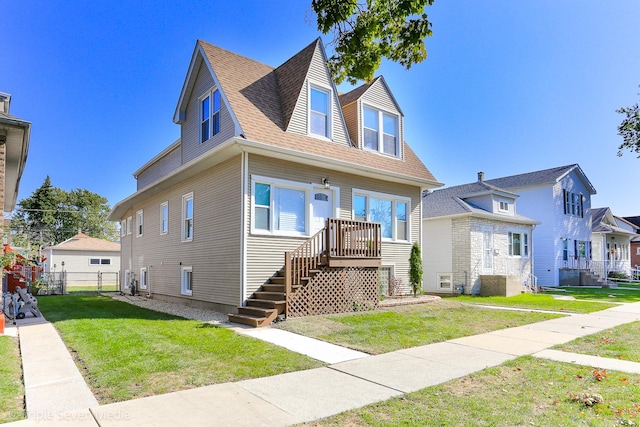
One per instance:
(508, 86)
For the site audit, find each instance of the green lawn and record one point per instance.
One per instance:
(522, 392)
(407, 326)
(620, 342)
(11, 388)
(616, 295)
(538, 301)
(127, 352)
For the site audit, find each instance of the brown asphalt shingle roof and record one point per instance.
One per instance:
(263, 98)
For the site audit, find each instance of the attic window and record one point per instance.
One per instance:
(319, 111)
(381, 131)
(209, 115)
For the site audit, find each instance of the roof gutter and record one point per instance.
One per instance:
(237, 145)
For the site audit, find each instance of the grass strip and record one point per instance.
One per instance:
(522, 392)
(11, 387)
(624, 293)
(620, 342)
(408, 326)
(537, 302)
(127, 352)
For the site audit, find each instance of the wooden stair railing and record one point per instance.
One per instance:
(345, 241)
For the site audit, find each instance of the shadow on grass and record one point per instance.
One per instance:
(58, 308)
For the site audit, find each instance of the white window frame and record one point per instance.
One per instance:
(280, 183)
(441, 278)
(394, 199)
(129, 224)
(329, 92)
(94, 259)
(164, 217)
(187, 222)
(638, 250)
(186, 280)
(139, 223)
(123, 228)
(503, 206)
(143, 278)
(381, 112)
(525, 243)
(213, 117)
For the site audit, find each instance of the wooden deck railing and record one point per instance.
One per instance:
(339, 238)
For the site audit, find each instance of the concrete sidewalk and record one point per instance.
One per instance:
(309, 395)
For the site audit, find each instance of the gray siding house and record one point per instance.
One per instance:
(278, 183)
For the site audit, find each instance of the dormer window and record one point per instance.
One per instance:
(319, 112)
(381, 131)
(209, 115)
(504, 206)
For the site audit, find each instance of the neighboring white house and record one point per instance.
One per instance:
(82, 258)
(560, 198)
(611, 243)
(473, 232)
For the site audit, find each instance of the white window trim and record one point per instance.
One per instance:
(381, 112)
(500, 208)
(209, 94)
(439, 281)
(183, 289)
(139, 223)
(307, 188)
(184, 238)
(123, 228)
(129, 224)
(522, 233)
(163, 205)
(394, 218)
(329, 92)
(143, 278)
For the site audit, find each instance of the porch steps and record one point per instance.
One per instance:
(264, 306)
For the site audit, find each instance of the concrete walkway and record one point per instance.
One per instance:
(56, 393)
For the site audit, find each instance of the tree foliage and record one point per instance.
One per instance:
(629, 129)
(364, 32)
(52, 215)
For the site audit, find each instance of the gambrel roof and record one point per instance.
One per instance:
(541, 177)
(262, 99)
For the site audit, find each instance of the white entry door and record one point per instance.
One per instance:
(323, 208)
(487, 251)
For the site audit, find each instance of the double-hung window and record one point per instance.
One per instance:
(381, 131)
(209, 115)
(129, 225)
(164, 218)
(518, 244)
(392, 212)
(573, 203)
(186, 281)
(139, 223)
(320, 111)
(280, 207)
(187, 217)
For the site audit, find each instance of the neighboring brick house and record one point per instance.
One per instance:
(560, 199)
(273, 161)
(471, 232)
